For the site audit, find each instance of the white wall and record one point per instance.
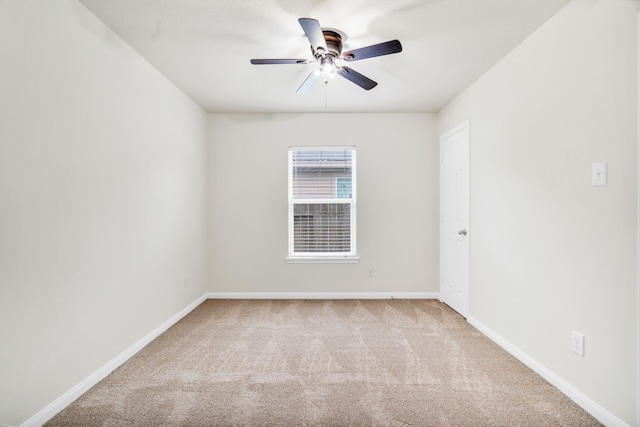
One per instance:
(103, 183)
(397, 178)
(102, 211)
(549, 252)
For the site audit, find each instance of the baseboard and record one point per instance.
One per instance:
(70, 396)
(322, 295)
(601, 414)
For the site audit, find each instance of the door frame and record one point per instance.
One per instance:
(453, 131)
(638, 234)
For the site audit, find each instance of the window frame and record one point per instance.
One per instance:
(322, 257)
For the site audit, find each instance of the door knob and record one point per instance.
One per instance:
(462, 232)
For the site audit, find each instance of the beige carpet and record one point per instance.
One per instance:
(323, 363)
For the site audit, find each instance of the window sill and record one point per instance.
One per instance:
(324, 260)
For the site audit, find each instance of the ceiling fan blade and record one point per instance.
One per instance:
(357, 78)
(314, 33)
(279, 61)
(379, 49)
(309, 82)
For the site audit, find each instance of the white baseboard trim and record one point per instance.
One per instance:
(70, 396)
(601, 414)
(322, 295)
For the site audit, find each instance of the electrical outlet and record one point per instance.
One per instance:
(577, 343)
(370, 272)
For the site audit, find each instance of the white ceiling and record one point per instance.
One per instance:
(204, 47)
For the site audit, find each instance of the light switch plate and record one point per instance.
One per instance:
(598, 174)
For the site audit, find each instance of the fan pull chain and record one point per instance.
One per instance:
(326, 84)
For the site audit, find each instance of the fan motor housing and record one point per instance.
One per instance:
(334, 42)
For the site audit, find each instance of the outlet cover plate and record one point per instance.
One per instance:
(577, 343)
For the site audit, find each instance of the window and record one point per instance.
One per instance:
(343, 187)
(322, 204)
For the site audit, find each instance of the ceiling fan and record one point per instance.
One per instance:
(326, 47)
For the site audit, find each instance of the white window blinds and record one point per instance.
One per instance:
(322, 196)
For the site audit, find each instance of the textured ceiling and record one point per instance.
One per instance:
(204, 47)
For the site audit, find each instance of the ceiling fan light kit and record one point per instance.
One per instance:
(326, 48)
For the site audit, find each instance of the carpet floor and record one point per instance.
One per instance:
(323, 363)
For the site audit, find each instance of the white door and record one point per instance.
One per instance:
(454, 218)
